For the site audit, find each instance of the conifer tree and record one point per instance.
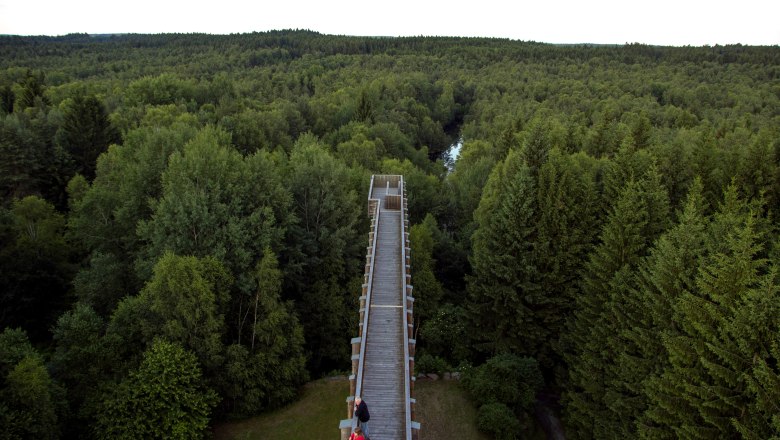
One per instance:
(755, 335)
(594, 402)
(703, 392)
(86, 132)
(627, 165)
(365, 108)
(667, 273)
(568, 204)
(33, 88)
(7, 99)
(537, 146)
(502, 259)
(427, 289)
(534, 229)
(625, 313)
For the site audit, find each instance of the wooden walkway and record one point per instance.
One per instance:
(383, 368)
(383, 353)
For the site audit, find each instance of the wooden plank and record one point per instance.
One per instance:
(383, 369)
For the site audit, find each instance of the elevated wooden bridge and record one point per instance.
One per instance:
(383, 352)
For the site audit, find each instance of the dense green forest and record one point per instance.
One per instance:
(183, 223)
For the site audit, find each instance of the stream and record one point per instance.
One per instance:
(452, 153)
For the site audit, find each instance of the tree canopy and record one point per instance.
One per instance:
(184, 215)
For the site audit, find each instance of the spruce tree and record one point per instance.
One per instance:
(703, 391)
(667, 273)
(624, 313)
(754, 334)
(502, 259)
(534, 229)
(600, 393)
(86, 132)
(567, 225)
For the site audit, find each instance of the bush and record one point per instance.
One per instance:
(498, 420)
(507, 379)
(431, 364)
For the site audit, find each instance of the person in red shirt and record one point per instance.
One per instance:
(357, 435)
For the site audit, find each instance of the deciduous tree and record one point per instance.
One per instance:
(164, 398)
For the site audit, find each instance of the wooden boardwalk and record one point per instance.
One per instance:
(383, 353)
(383, 368)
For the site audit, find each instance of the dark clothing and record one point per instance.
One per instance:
(362, 412)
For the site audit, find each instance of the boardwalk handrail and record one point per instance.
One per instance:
(373, 204)
(356, 379)
(407, 359)
(363, 334)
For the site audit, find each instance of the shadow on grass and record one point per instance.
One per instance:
(315, 415)
(445, 412)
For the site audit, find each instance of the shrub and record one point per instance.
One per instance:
(498, 420)
(507, 379)
(431, 364)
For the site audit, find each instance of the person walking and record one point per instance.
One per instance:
(361, 412)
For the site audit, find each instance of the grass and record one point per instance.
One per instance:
(315, 415)
(443, 410)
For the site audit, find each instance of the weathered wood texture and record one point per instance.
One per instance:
(383, 371)
(382, 354)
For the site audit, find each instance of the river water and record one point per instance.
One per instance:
(452, 153)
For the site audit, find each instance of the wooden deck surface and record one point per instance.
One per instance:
(383, 373)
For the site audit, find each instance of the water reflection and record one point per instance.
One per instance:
(452, 153)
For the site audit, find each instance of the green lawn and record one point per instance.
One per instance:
(443, 411)
(315, 415)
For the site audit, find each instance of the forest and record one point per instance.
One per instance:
(183, 228)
